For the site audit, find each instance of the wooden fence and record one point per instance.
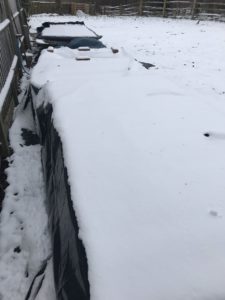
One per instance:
(169, 8)
(166, 8)
(38, 7)
(13, 41)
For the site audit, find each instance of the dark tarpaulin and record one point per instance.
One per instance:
(69, 256)
(61, 38)
(85, 42)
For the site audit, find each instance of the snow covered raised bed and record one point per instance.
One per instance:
(146, 175)
(61, 33)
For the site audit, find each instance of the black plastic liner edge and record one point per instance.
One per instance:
(61, 38)
(69, 256)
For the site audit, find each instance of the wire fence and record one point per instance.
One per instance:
(13, 41)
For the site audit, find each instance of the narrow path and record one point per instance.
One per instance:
(24, 236)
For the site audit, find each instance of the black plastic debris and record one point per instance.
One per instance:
(17, 249)
(146, 65)
(207, 134)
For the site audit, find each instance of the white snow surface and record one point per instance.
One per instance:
(68, 31)
(4, 24)
(147, 186)
(24, 236)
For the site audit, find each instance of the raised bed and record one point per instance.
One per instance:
(130, 169)
(61, 33)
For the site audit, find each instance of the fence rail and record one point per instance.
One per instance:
(174, 8)
(13, 41)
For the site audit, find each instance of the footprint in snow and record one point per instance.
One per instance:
(214, 213)
(215, 135)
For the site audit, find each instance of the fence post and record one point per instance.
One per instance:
(164, 8)
(24, 28)
(59, 6)
(4, 147)
(141, 8)
(193, 9)
(9, 16)
(121, 9)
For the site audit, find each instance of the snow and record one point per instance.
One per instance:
(15, 14)
(4, 24)
(145, 155)
(24, 236)
(68, 31)
(62, 64)
(190, 54)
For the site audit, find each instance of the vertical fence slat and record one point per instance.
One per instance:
(193, 9)
(164, 8)
(141, 7)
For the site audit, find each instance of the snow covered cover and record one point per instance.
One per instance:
(24, 236)
(145, 156)
(68, 30)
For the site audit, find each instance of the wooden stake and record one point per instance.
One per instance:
(59, 6)
(141, 8)
(193, 8)
(164, 8)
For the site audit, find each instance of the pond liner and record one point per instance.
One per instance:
(69, 256)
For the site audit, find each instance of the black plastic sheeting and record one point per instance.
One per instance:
(37, 281)
(75, 43)
(56, 39)
(69, 256)
(85, 42)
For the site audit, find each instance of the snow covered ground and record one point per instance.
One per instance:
(147, 185)
(24, 236)
(190, 54)
(145, 155)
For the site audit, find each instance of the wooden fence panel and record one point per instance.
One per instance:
(152, 7)
(179, 8)
(210, 7)
(164, 8)
(12, 39)
(171, 8)
(37, 7)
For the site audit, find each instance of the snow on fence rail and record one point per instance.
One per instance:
(12, 39)
(187, 8)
